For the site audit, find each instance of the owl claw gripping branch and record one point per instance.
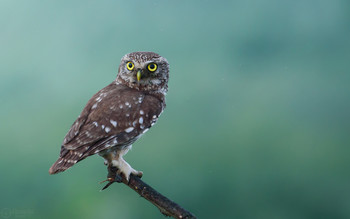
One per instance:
(113, 176)
(116, 116)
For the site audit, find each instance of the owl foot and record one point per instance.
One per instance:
(115, 175)
(125, 169)
(133, 172)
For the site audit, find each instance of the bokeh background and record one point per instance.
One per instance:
(257, 120)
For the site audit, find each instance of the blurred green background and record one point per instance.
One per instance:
(257, 120)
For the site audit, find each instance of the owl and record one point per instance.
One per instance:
(119, 114)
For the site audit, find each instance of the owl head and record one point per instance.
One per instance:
(146, 71)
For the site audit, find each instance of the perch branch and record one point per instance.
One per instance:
(165, 205)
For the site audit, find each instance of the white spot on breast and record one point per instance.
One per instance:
(154, 116)
(142, 126)
(114, 123)
(103, 126)
(127, 103)
(95, 123)
(141, 120)
(107, 129)
(129, 129)
(134, 123)
(127, 115)
(140, 99)
(94, 106)
(121, 106)
(141, 112)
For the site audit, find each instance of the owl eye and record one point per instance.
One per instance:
(130, 66)
(152, 67)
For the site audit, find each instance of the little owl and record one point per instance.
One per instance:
(119, 114)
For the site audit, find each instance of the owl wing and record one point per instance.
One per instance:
(116, 115)
(80, 121)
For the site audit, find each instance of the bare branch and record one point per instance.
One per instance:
(165, 205)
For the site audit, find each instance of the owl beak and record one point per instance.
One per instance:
(138, 75)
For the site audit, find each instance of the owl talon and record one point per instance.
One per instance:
(126, 173)
(138, 174)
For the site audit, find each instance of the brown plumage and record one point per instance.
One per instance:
(119, 114)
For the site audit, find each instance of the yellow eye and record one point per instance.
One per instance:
(130, 66)
(152, 67)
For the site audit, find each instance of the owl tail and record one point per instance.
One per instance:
(65, 161)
